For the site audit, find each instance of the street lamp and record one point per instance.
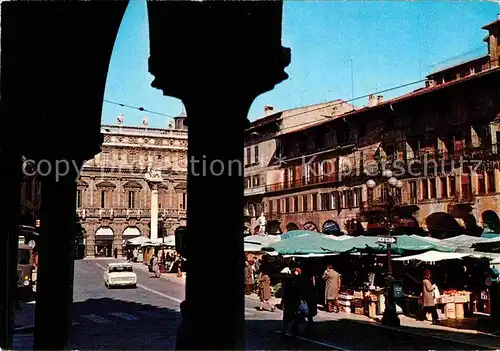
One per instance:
(390, 317)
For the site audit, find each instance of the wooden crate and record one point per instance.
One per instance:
(447, 299)
(450, 311)
(358, 295)
(460, 298)
(459, 310)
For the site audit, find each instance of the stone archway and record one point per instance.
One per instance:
(442, 225)
(104, 236)
(131, 232)
(310, 226)
(491, 221)
(291, 226)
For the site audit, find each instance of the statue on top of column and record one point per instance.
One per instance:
(261, 221)
(153, 174)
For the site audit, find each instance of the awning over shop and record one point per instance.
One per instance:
(255, 243)
(467, 240)
(435, 256)
(104, 234)
(131, 232)
(485, 244)
(139, 240)
(168, 240)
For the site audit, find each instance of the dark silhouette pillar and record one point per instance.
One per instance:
(55, 58)
(56, 260)
(230, 54)
(10, 177)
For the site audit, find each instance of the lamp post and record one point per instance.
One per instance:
(390, 317)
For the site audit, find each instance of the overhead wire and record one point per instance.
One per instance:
(139, 108)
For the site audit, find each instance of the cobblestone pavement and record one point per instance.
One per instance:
(147, 318)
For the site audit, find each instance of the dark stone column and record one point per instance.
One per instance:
(10, 178)
(54, 294)
(215, 191)
(234, 55)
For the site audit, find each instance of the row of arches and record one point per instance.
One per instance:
(439, 224)
(128, 232)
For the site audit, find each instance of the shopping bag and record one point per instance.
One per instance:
(437, 295)
(303, 308)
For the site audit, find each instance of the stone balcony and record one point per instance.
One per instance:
(172, 213)
(110, 213)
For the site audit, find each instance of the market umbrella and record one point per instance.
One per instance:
(404, 243)
(293, 233)
(307, 244)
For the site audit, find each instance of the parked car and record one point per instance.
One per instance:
(120, 274)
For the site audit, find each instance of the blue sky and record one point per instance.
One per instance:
(389, 43)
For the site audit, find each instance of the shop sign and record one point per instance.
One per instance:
(386, 239)
(397, 287)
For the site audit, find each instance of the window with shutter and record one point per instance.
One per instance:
(315, 201)
(334, 200)
(305, 207)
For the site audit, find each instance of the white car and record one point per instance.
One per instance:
(120, 274)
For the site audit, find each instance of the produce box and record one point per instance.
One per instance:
(447, 299)
(460, 298)
(344, 296)
(372, 310)
(345, 303)
(358, 294)
(450, 311)
(459, 310)
(359, 310)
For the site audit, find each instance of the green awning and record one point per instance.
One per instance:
(316, 243)
(309, 243)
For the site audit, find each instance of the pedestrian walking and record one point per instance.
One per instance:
(115, 252)
(332, 288)
(155, 267)
(265, 290)
(249, 281)
(135, 254)
(290, 302)
(307, 290)
(429, 305)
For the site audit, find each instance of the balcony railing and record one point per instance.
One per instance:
(261, 189)
(302, 182)
(172, 212)
(94, 212)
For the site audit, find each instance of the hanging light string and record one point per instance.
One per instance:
(142, 109)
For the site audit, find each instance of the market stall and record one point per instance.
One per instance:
(460, 292)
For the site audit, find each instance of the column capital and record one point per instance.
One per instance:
(238, 49)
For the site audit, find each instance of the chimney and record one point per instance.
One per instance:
(372, 100)
(380, 99)
(268, 110)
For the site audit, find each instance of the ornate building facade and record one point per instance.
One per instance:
(441, 141)
(114, 195)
